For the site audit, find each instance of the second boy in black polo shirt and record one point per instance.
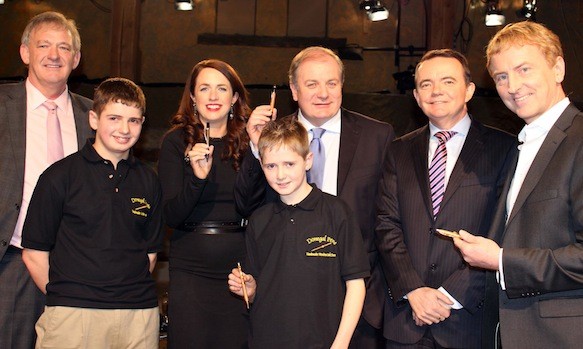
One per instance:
(304, 253)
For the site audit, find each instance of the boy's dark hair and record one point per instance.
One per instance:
(118, 90)
(284, 132)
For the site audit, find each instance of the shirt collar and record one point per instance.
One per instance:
(332, 125)
(461, 128)
(91, 155)
(542, 125)
(35, 98)
(307, 204)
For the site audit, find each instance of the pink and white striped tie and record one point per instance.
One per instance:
(437, 170)
(54, 139)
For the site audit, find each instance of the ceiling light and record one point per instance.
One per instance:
(183, 5)
(494, 16)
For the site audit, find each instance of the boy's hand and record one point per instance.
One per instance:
(201, 164)
(257, 120)
(236, 287)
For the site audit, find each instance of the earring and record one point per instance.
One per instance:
(194, 111)
(231, 113)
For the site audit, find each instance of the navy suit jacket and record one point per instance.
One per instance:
(542, 306)
(413, 255)
(364, 144)
(12, 151)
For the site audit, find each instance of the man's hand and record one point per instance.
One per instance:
(257, 120)
(478, 251)
(429, 306)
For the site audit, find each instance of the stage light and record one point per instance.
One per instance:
(529, 10)
(183, 5)
(375, 10)
(494, 16)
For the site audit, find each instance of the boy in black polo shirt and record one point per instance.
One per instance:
(92, 232)
(305, 251)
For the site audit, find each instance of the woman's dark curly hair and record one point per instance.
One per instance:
(236, 138)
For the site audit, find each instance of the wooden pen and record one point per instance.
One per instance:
(272, 101)
(245, 295)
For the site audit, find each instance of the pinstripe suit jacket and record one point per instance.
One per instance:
(413, 256)
(12, 151)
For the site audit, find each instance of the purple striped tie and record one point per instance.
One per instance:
(437, 170)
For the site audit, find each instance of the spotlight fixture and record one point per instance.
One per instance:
(528, 11)
(183, 5)
(375, 10)
(494, 16)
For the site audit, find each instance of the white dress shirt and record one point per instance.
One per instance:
(454, 145)
(331, 141)
(454, 148)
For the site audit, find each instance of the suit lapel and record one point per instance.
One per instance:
(471, 150)
(499, 221)
(16, 113)
(419, 153)
(349, 136)
(79, 112)
(543, 157)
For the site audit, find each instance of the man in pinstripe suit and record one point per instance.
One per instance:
(434, 298)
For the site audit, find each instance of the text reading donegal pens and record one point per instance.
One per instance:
(272, 102)
(207, 137)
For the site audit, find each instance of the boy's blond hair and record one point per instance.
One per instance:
(286, 132)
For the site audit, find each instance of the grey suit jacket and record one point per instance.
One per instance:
(12, 151)
(413, 256)
(542, 306)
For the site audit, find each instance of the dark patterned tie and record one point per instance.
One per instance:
(316, 173)
(437, 170)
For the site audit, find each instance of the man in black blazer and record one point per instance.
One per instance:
(434, 298)
(355, 148)
(51, 49)
(539, 220)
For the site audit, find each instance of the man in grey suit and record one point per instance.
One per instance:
(447, 174)
(51, 49)
(355, 148)
(537, 231)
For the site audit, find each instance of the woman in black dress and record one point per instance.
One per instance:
(197, 169)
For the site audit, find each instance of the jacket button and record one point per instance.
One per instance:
(433, 266)
(3, 243)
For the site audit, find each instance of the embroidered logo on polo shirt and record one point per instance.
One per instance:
(141, 208)
(320, 245)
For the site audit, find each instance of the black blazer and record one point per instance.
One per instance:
(364, 144)
(413, 255)
(542, 306)
(12, 151)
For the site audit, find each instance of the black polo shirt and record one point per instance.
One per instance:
(302, 256)
(99, 224)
